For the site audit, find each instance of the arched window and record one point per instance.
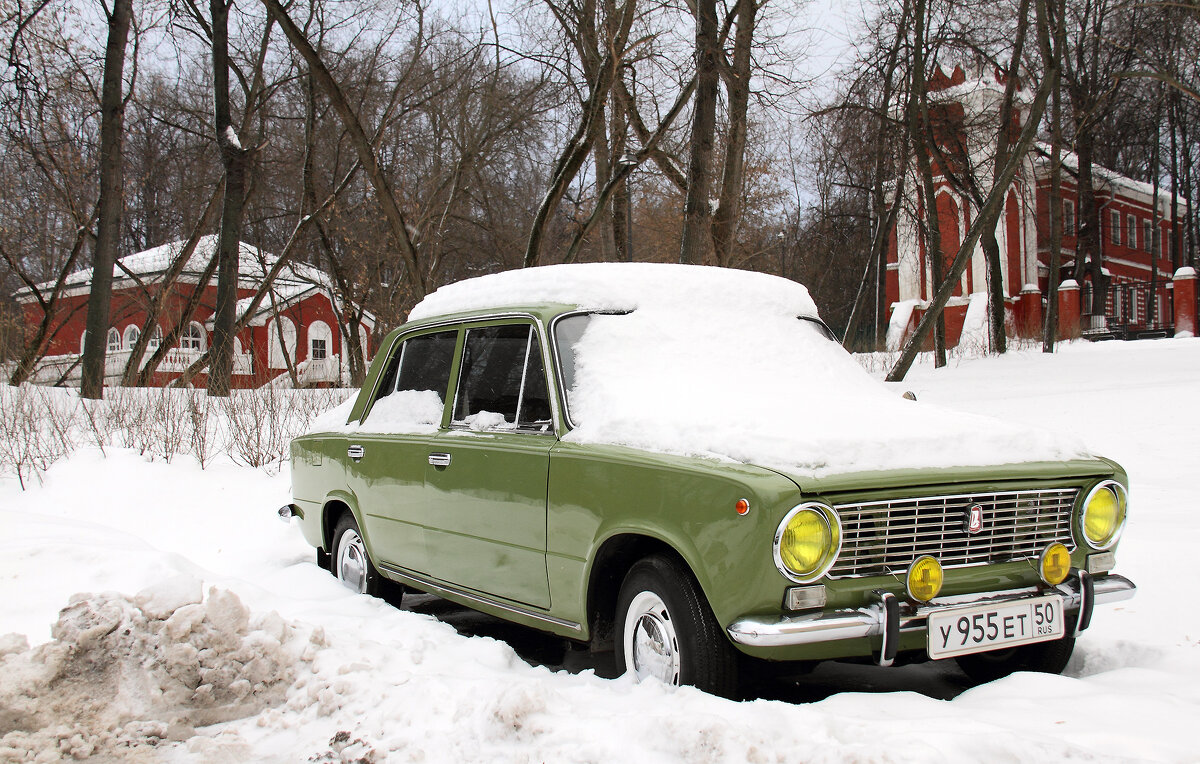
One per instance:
(131, 336)
(237, 346)
(320, 341)
(193, 337)
(114, 340)
(155, 338)
(285, 329)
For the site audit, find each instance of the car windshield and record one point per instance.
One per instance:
(570, 329)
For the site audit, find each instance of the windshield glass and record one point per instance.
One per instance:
(569, 331)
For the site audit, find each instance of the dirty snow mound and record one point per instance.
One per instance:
(123, 674)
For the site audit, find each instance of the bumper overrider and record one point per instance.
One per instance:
(887, 617)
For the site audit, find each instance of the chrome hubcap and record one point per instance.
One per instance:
(651, 645)
(352, 561)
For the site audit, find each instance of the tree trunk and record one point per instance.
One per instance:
(1088, 257)
(234, 160)
(1176, 239)
(729, 206)
(918, 121)
(1050, 327)
(995, 286)
(108, 227)
(697, 206)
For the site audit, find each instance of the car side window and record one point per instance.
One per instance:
(502, 382)
(419, 373)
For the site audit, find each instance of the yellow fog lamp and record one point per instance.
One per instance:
(1104, 514)
(1055, 564)
(925, 578)
(807, 542)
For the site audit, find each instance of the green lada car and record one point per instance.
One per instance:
(681, 464)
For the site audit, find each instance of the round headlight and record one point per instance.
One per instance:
(1104, 514)
(924, 578)
(1054, 564)
(807, 542)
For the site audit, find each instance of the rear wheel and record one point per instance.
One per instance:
(667, 631)
(1043, 657)
(351, 563)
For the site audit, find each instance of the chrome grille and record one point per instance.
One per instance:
(880, 537)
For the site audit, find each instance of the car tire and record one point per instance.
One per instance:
(666, 630)
(1043, 657)
(350, 563)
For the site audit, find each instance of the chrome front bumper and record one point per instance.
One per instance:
(887, 619)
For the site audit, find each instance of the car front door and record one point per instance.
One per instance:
(486, 477)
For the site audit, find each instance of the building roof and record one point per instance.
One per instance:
(294, 281)
(1106, 179)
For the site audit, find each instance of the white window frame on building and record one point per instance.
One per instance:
(320, 341)
(192, 338)
(1131, 229)
(130, 336)
(156, 338)
(1114, 221)
(1147, 235)
(1068, 217)
(114, 340)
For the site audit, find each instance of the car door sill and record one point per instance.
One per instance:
(455, 593)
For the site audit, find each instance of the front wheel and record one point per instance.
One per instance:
(668, 632)
(1043, 657)
(351, 563)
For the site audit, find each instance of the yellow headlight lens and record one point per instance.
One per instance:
(1104, 515)
(1055, 564)
(807, 542)
(925, 578)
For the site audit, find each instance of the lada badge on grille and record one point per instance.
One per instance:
(973, 522)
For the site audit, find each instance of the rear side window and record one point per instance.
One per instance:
(502, 383)
(414, 385)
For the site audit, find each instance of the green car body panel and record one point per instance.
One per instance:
(521, 525)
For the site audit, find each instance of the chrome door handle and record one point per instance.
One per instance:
(355, 452)
(439, 459)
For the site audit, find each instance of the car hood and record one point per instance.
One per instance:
(1002, 476)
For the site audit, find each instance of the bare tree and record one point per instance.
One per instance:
(108, 223)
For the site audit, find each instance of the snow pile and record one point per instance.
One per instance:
(121, 674)
(623, 287)
(772, 391)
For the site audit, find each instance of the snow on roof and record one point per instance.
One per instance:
(1102, 176)
(253, 265)
(713, 363)
(623, 287)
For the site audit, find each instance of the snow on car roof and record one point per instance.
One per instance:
(621, 287)
(713, 362)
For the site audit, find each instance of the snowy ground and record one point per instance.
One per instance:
(338, 677)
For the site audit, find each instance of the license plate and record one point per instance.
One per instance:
(973, 629)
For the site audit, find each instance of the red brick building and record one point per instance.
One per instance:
(1130, 229)
(295, 324)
